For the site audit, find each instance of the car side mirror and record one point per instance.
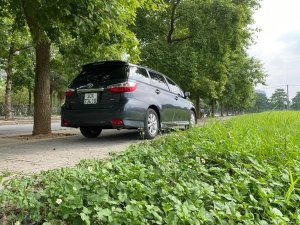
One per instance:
(187, 94)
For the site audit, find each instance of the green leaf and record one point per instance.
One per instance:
(85, 218)
(102, 213)
(172, 219)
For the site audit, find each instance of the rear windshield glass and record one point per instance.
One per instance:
(100, 75)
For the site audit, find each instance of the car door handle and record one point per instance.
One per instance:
(176, 98)
(157, 91)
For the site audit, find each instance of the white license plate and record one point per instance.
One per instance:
(90, 98)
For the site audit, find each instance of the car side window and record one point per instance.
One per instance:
(174, 88)
(158, 80)
(139, 74)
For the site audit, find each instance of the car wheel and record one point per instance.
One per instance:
(151, 124)
(90, 132)
(192, 121)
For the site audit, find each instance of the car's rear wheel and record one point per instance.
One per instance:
(192, 121)
(90, 132)
(151, 124)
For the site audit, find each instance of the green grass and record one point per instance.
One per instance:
(243, 171)
(273, 136)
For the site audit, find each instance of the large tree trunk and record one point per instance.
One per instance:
(42, 111)
(8, 115)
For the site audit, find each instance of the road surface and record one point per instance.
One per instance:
(17, 129)
(22, 153)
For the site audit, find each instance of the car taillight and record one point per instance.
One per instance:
(122, 87)
(69, 93)
(117, 122)
(66, 123)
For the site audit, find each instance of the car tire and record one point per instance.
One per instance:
(151, 124)
(192, 121)
(90, 132)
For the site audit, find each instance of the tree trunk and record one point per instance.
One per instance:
(198, 106)
(29, 113)
(8, 115)
(213, 108)
(42, 111)
(222, 109)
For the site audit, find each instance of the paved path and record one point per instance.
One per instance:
(29, 155)
(25, 154)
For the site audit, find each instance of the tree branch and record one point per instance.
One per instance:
(170, 40)
(23, 48)
(172, 22)
(181, 39)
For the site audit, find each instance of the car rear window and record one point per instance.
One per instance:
(100, 75)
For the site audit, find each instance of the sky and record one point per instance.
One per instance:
(278, 44)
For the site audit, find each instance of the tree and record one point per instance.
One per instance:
(91, 22)
(14, 39)
(279, 99)
(191, 41)
(244, 74)
(261, 102)
(24, 75)
(296, 102)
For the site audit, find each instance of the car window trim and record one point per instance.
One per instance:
(168, 88)
(180, 95)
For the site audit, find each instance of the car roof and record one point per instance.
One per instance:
(116, 63)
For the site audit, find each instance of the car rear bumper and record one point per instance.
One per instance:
(131, 117)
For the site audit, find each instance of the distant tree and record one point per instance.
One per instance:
(244, 73)
(261, 102)
(296, 102)
(279, 99)
(23, 78)
(14, 40)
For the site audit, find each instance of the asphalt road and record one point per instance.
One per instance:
(17, 129)
(21, 153)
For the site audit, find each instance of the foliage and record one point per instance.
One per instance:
(296, 101)
(90, 26)
(15, 50)
(244, 73)
(2, 90)
(262, 103)
(192, 42)
(243, 171)
(279, 99)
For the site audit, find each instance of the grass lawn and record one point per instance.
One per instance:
(245, 170)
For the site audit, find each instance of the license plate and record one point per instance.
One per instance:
(90, 98)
